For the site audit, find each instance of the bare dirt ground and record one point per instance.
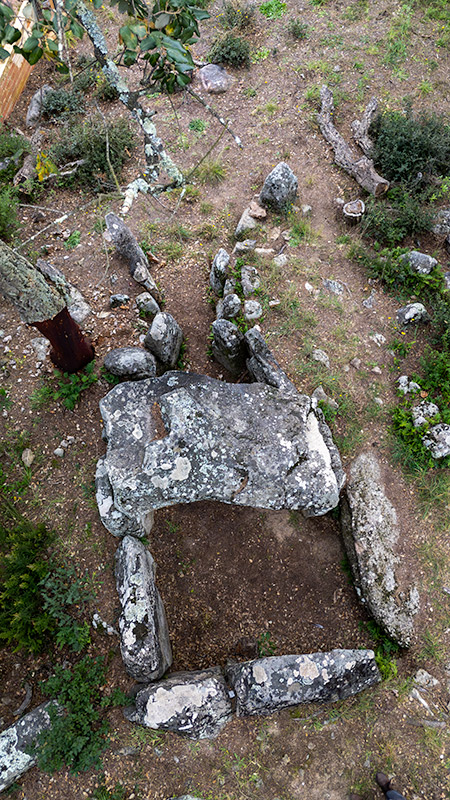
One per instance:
(227, 573)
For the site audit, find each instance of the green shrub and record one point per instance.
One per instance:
(9, 221)
(405, 146)
(64, 387)
(399, 277)
(297, 29)
(63, 102)
(385, 649)
(396, 216)
(62, 589)
(273, 9)
(104, 89)
(87, 141)
(237, 15)
(230, 49)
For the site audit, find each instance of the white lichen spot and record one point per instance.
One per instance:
(182, 469)
(309, 670)
(167, 703)
(137, 431)
(259, 673)
(159, 483)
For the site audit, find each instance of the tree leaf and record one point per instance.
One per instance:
(161, 20)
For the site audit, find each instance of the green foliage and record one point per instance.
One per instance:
(9, 221)
(385, 650)
(64, 387)
(273, 9)
(237, 15)
(197, 125)
(15, 477)
(77, 736)
(12, 149)
(5, 402)
(102, 792)
(104, 90)
(63, 589)
(398, 276)
(73, 240)
(298, 29)
(400, 214)
(210, 171)
(63, 102)
(266, 645)
(405, 146)
(87, 142)
(230, 49)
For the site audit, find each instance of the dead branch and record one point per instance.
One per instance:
(360, 128)
(225, 123)
(361, 169)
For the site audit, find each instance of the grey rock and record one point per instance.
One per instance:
(16, 740)
(144, 634)
(280, 188)
(127, 247)
(184, 437)
(218, 272)
(370, 302)
(214, 79)
(59, 452)
(335, 287)
(320, 356)
(423, 413)
(41, 347)
(34, 111)
(245, 224)
(193, 704)
(447, 280)
(228, 346)
(229, 286)
(437, 440)
(419, 262)
(262, 365)
(164, 339)
(405, 386)
(117, 300)
(281, 260)
(115, 520)
(413, 312)
(269, 684)
(370, 531)
(147, 304)
(130, 363)
(306, 210)
(355, 363)
(27, 457)
(229, 307)
(321, 396)
(442, 222)
(252, 310)
(245, 246)
(423, 678)
(250, 280)
(378, 339)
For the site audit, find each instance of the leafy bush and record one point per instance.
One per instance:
(385, 649)
(230, 49)
(399, 277)
(400, 214)
(63, 102)
(405, 146)
(237, 15)
(62, 589)
(88, 142)
(9, 221)
(297, 29)
(64, 387)
(104, 89)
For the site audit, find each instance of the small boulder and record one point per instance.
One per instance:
(437, 440)
(250, 280)
(320, 356)
(16, 741)
(245, 224)
(218, 272)
(335, 287)
(130, 363)
(214, 79)
(193, 704)
(413, 312)
(423, 413)
(117, 300)
(442, 222)
(164, 339)
(267, 685)
(34, 111)
(229, 307)
(405, 386)
(144, 634)
(245, 246)
(280, 188)
(252, 310)
(419, 262)
(228, 346)
(229, 286)
(147, 305)
(256, 211)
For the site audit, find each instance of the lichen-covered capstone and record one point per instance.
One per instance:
(370, 531)
(144, 635)
(265, 685)
(184, 437)
(130, 363)
(15, 742)
(193, 704)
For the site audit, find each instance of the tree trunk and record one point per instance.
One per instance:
(42, 305)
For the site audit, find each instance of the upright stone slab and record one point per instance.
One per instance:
(164, 339)
(280, 188)
(263, 366)
(266, 685)
(193, 704)
(15, 741)
(144, 635)
(115, 520)
(370, 531)
(184, 437)
(228, 346)
(218, 274)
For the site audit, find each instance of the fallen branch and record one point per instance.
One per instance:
(360, 128)
(361, 169)
(225, 123)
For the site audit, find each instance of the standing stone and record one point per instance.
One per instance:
(15, 742)
(280, 188)
(218, 272)
(419, 262)
(250, 280)
(144, 635)
(229, 307)
(413, 312)
(252, 310)
(164, 339)
(130, 363)
(147, 304)
(370, 531)
(193, 704)
(262, 365)
(246, 223)
(34, 111)
(266, 685)
(228, 346)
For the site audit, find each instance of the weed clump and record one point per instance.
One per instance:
(396, 216)
(237, 15)
(64, 387)
(230, 49)
(297, 29)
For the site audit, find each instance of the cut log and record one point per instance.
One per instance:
(361, 169)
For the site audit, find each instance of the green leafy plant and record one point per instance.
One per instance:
(385, 650)
(266, 645)
(62, 102)
(237, 15)
(273, 9)
(9, 220)
(102, 792)
(297, 29)
(73, 240)
(399, 214)
(230, 49)
(62, 589)
(104, 89)
(65, 388)
(5, 401)
(197, 125)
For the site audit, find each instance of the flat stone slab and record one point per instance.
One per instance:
(370, 531)
(193, 704)
(144, 634)
(15, 741)
(266, 685)
(183, 437)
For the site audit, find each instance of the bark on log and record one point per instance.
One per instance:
(127, 246)
(42, 305)
(361, 169)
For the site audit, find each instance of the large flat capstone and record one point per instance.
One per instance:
(184, 437)
(265, 685)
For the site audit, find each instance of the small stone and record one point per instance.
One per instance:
(280, 188)
(228, 346)
(447, 280)
(164, 339)
(422, 413)
(257, 211)
(378, 401)
(117, 300)
(423, 678)
(306, 210)
(41, 347)
(274, 234)
(405, 386)
(264, 251)
(281, 260)
(376, 370)
(252, 310)
(214, 79)
(130, 363)
(309, 288)
(245, 246)
(273, 303)
(413, 312)
(320, 395)
(378, 338)
(250, 280)
(336, 287)
(437, 440)
(419, 262)
(370, 301)
(229, 287)
(218, 272)
(229, 307)
(356, 363)
(59, 452)
(320, 356)
(246, 223)
(64, 444)
(147, 304)
(27, 457)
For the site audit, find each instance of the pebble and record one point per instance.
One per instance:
(281, 260)
(320, 356)
(376, 370)
(356, 363)
(306, 210)
(59, 452)
(378, 338)
(27, 457)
